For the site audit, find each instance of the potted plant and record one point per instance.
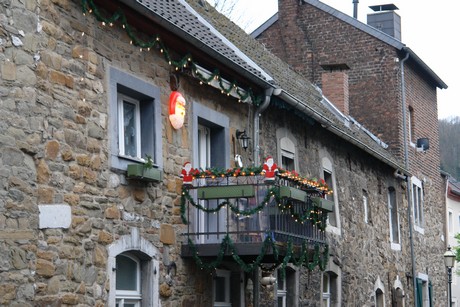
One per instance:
(144, 171)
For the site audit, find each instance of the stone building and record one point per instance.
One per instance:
(94, 140)
(369, 74)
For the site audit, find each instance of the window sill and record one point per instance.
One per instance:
(419, 229)
(395, 246)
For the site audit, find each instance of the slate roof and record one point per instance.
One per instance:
(176, 17)
(294, 84)
(220, 37)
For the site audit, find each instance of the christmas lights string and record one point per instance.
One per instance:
(183, 63)
(313, 214)
(319, 258)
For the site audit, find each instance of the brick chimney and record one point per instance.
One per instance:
(335, 86)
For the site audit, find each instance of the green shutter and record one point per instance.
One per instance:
(419, 292)
(430, 293)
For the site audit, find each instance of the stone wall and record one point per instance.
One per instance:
(54, 151)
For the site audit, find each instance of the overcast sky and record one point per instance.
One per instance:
(430, 28)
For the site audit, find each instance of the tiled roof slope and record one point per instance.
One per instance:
(217, 36)
(288, 80)
(176, 17)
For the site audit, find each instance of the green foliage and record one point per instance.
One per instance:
(148, 162)
(449, 146)
(155, 42)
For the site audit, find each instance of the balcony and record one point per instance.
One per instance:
(250, 221)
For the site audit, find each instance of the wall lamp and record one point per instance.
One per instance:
(244, 138)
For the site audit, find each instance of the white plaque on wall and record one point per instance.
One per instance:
(54, 216)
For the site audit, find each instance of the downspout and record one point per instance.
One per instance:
(257, 114)
(409, 185)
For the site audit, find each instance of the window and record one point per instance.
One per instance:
(129, 127)
(326, 291)
(327, 173)
(330, 296)
(287, 287)
(133, 272)
(287, 154)
(411, 125)
(365, 207)
(135, 125)
(331, 285)
(397, 293)
(281, 290)
(221, 289)
(328, 179)
(211, 144)
(417, 204)
(379, 298)
(128, 281)
(450, 223)
(379, 292)
(424, 291)
(287, 151)
(393, 218)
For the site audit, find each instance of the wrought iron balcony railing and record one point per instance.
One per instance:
(256, 220)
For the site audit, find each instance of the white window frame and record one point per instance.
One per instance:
(326, 290)
(150, 267)
(365, 207)
(417, 204)
(287, 147)
(226, 275)
(410, 126)
(326, 167)
(150, 130)
(450, 222)
(281, 290)
(130, 296)
(204, 161)
(395, 242)
(137, 114)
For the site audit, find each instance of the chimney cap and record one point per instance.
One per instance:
(383, 7)
(335, 67)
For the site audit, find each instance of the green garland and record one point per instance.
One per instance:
(314, 214)
(319, 259)
(183, 63)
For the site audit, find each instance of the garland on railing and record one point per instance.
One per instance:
(311, 214)
(290, 176)
(272, 192)
(316, 216)
(319, 259)
(183, 63)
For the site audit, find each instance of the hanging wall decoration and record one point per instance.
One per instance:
(176, 109)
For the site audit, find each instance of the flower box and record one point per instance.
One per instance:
(293, 193)
(140, 172)
(326, 205)
(231, 191)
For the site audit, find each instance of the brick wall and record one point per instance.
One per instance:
(308, 38)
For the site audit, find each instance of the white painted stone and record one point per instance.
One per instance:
(54, 216)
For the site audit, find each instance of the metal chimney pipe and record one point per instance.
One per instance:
(355, 9)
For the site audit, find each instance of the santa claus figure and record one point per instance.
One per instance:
(186, 174)
(176, 109)
(270, 168)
